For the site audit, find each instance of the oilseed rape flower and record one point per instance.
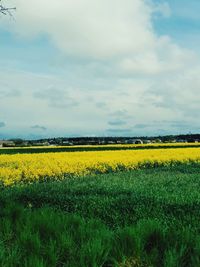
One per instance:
(28, 168)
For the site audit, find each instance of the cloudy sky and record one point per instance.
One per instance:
(100, 67)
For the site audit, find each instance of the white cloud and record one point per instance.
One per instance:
(142, 76)
(131, 102)
(96, 29)
(104, 30)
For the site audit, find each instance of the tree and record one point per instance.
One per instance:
(6, 10)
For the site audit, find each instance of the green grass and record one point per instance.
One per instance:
(119, 199)
(142, 218)
(48, 238)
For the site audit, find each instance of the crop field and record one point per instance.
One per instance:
(29, 168)
(123, 208)
(76, 148)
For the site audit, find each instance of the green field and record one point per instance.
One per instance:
(138, 218)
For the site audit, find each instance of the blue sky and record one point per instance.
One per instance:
(184, 23)
(100, 68)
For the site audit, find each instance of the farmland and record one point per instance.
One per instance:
(29, 168)
(81, 148)
(101, 208)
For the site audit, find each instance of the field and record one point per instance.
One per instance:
(76, 148)
(101, 208)
(23, 168)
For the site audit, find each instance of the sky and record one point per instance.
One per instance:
(99, 68)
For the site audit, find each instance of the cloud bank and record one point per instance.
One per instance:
(119, 72)
(104, 30)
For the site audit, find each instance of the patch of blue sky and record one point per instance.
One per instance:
(40, 56)
(184, 23)
(15, 53)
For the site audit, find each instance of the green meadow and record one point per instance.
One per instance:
(139, 218)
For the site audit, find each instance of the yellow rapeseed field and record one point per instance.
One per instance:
(32, 167)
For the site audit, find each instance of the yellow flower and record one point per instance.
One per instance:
(28, 168)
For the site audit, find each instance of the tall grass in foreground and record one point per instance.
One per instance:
(49, 238)
(141, 218)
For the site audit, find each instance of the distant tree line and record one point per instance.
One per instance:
(105, 140)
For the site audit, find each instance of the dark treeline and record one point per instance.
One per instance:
(67, 141)
(115, 139)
